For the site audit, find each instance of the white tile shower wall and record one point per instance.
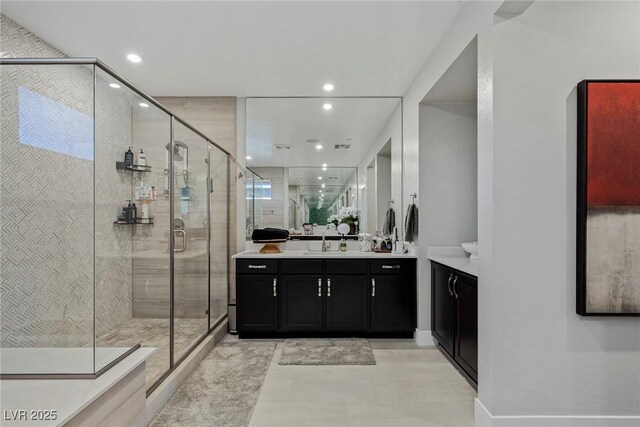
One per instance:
(47, 210)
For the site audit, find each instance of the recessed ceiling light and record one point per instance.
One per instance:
(324, 168)
(328, 87)
(143, 104)
(327, 106)
(320, 191)
(114, 85)
(319, 177)
(319, 147)
(324, 165)
(248, 157)
(134, 58)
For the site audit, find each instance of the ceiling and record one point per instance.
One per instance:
(272, 122)
(208, 48)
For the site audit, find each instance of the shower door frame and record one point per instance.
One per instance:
(173, 364)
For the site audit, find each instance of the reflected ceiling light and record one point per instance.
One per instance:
(323, 185)
(134, 58)
(319, 177)
(319, 147)
(143, 104)
(320, 191)
(327, 106)
(324, 165)
(114, 85)
(248, 157)
(324, 169)
(328, 87)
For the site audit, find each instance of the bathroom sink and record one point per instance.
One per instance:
(472, 249)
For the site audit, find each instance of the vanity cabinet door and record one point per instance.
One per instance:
(301, 303)
(466, 298)
(391, 303)
(442, 306)
(257, 302)
(346, 298)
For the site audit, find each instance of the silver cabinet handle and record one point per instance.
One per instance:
(373, 287)
(390, 267)
(455, 281)
(257, 266)
(328, 287)
(275, 287)
(449, 284)
(320, 287)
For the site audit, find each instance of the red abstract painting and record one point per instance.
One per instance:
(613, 144)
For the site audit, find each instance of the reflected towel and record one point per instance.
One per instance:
(389, 222)
(411, 223)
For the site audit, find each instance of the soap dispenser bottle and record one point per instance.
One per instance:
(130, 213)
(128, 158)
(343, 245)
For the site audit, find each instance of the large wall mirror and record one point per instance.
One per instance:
(313, 163)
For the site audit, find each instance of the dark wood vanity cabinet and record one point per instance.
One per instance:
(454, 316)
(257, 301)
(332, 297)
(301, 303)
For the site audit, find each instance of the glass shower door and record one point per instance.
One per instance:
(190, 157)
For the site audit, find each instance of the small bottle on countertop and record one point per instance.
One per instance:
(343, 245)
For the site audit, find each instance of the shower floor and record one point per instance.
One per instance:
(155, 333)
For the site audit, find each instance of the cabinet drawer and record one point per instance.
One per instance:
(346, 266)
(302, 266)
(392, 266)
(257, 266)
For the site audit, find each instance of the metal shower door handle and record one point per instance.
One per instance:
(373, 287)
(184, 240)
(320, 287)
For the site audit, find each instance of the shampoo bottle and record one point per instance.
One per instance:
(128, 158)
(142, 158)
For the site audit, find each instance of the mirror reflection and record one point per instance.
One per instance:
(311, 168)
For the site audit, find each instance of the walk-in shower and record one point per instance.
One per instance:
(100, 255)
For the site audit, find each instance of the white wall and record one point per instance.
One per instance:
(449, 171)
(546, 359)
(475, 18)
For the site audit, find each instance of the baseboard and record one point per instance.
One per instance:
(161, 395)
(424, 338)
(485, 419)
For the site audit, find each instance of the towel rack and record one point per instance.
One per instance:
(413, 198)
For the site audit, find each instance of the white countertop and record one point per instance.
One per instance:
(319, 254)
(461, 264)
(67, 397)
(454, 257)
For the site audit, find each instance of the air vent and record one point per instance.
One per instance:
(342, 146)
(283, 147)
(312, 141)
(334, 178)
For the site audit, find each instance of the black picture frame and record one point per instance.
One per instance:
(581, 200)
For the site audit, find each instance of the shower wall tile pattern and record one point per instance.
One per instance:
(47, 210)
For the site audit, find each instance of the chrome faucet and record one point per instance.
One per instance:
(325, 245)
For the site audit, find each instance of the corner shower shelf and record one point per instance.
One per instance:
(132, 168)
(148, 221)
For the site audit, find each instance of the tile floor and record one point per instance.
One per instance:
(409, 386)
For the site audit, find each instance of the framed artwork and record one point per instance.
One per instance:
(608, 211)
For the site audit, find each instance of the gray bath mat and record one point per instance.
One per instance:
(223, 390)
(327, 351)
